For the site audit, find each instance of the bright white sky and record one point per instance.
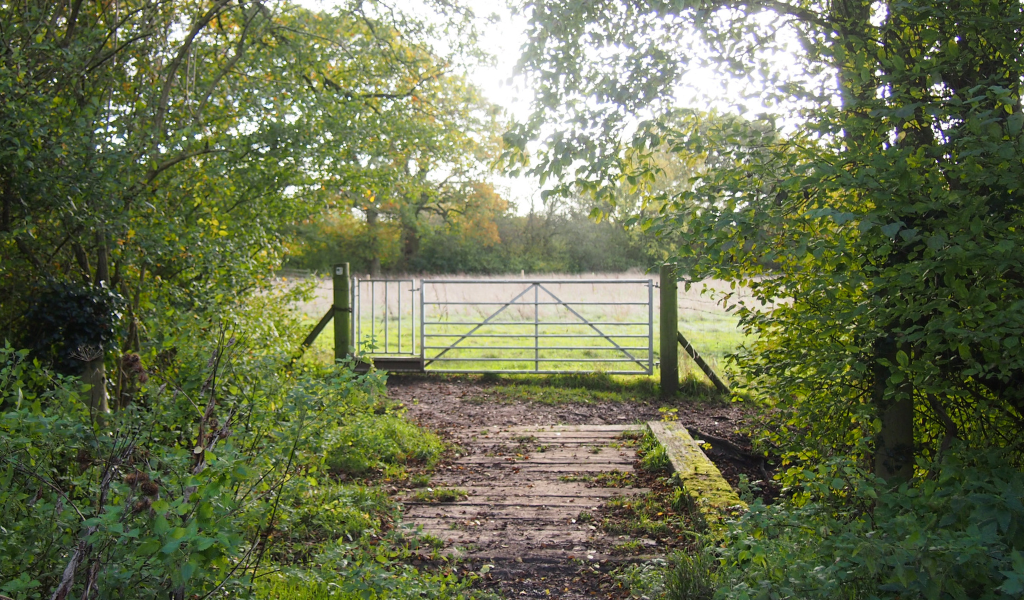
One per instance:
(503, 39)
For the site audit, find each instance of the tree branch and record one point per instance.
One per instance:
(172, 69)
(167, 164)
(803, 14)
(31, 256)
(72, 21)
(239, 52)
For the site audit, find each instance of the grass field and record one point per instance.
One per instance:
(614, 305)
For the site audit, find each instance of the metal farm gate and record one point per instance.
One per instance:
(543, 326)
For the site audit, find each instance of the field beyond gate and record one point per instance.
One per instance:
(537, 326)
(542, 326)
(701, 318)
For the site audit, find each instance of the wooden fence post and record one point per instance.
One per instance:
(342, 312)
(669, 326)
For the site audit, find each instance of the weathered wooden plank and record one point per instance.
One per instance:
(497, 468)
(550, 442)
(539, 495)
(537, 535)
(563, 428)
(583, 455)
(540, 492)
(585, 458)
(547, 434)
(493, 514)
(699, 476)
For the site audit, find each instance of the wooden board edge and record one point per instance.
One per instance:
(712, 494)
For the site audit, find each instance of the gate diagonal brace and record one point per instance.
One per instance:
(306, 343)
(592, 326)
(482, 323)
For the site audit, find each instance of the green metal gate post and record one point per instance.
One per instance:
(669, 325)
(342, 313)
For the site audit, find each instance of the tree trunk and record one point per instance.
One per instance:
(95, 374)
(102, 260)
(894, 443)
(5, 211)
(373, 229)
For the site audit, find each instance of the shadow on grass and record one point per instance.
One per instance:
(583, 388)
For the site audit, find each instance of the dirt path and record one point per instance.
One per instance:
(532, 509)
(530, 512)
(450, 404)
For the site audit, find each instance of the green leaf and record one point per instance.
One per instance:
(187, 570)
(149, 546)
(1015, 123)
(891, 229)
(160, 525)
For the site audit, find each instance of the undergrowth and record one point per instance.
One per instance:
(382, 443)
(218, 473)
(955, 531)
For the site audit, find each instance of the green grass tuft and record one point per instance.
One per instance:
(653, 457)
(441, 495)
(377, 442)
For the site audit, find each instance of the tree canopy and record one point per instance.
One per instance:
(875, 206)
(161, 149)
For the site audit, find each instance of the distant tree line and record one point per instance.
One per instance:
(552, 240)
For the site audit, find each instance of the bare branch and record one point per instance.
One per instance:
(239, 52)
(179, 58)
(802, 14)
(167, 164)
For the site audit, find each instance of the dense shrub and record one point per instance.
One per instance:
(65, 318)
(955, 532)
(213, 474)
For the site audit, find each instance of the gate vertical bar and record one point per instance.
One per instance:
(342, 312)
(399, 317)
(357, 313)
(386, 286)
(536, 327)
(373, 313)
(423, 320)
(669, 328)
(650, 327)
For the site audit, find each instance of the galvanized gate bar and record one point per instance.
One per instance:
(423, 321)
(542, 324)
(539, 303)
(625, 352)
(404, 327)
(538, 281)
(592, 326)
